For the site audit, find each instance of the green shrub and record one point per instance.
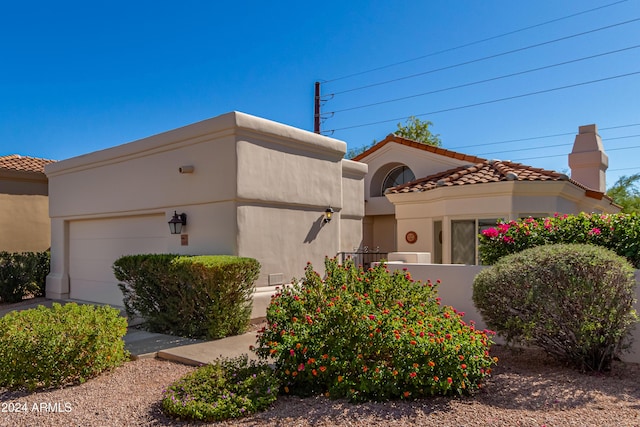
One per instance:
(194, 296)
(226, 389)
(22, 275)
(618, 232)
(371, 336)
(51, 347)
(574, 301)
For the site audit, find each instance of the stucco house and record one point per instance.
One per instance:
(247, 186)
(421, 198)
(24, 216)
(252, 187)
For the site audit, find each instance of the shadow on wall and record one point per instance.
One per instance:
(315, 229)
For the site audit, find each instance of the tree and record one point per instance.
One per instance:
(414, 128)
(625, 193)
(418, 130)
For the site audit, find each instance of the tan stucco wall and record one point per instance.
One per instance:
(383, 233)
(258, 189)
(507, 200)
(352, 212)
(25, 224)
(382, 161)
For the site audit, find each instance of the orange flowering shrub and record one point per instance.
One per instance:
(371, 335)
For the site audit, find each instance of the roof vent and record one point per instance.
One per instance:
(511, 176)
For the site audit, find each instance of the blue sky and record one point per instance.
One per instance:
(76, 77)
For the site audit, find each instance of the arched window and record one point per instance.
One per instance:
(397, 176)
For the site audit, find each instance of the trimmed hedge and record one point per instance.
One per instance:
(205, 297)
(574, 301)
(52, 347)
(23, 275)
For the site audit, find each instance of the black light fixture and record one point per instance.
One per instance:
(328, 214)
(177, 222)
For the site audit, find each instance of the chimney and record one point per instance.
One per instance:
(588, 161)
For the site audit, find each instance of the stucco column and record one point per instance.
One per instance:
(58, 278)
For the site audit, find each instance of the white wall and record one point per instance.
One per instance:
(456, 290)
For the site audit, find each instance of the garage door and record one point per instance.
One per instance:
(94, 245)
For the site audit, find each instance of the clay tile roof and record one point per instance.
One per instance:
(481, 172)
(419, 145)
(16, 162)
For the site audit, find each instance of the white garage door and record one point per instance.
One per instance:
(94, 245)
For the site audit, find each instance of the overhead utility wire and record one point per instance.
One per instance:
(562, 155)
(474, 42)
(556, 146)
(623, 169)
(541, 137)
(484, 58)
(486, 80)
(493, 101)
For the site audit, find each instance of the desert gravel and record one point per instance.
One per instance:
(526, 389)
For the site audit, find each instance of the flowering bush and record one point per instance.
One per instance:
(617, 232)
(371, 336)
(574, 301)
(226, 389)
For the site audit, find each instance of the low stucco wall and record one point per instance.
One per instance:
(456, 290)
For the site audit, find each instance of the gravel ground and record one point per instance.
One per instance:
(526, 389)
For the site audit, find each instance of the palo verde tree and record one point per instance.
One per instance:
(413, 128)
(625, 193)
(418, 130)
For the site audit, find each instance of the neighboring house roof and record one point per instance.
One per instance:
(489, 171)
(419, 145)
(16, 162)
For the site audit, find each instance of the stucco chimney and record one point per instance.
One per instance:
(588, 161)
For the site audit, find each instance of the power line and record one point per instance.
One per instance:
(487, 80)
(525, 149)
(474, 42)
(558, 145)
(545, 137)
(623, 169)
(485, 57)
(562, 155)
(542, 137)
(515, 140)
(508, 98)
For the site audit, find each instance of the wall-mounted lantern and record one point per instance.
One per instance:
(328, 214)
(177, 222)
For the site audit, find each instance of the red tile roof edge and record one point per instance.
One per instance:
(450, 176)
(18, 163)
(415, 144)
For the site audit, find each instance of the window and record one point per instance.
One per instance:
(464, 239)
(398, 176)
(463, 242)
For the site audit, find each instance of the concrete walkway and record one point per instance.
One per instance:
(143, 344)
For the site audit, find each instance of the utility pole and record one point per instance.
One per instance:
(316, 110)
